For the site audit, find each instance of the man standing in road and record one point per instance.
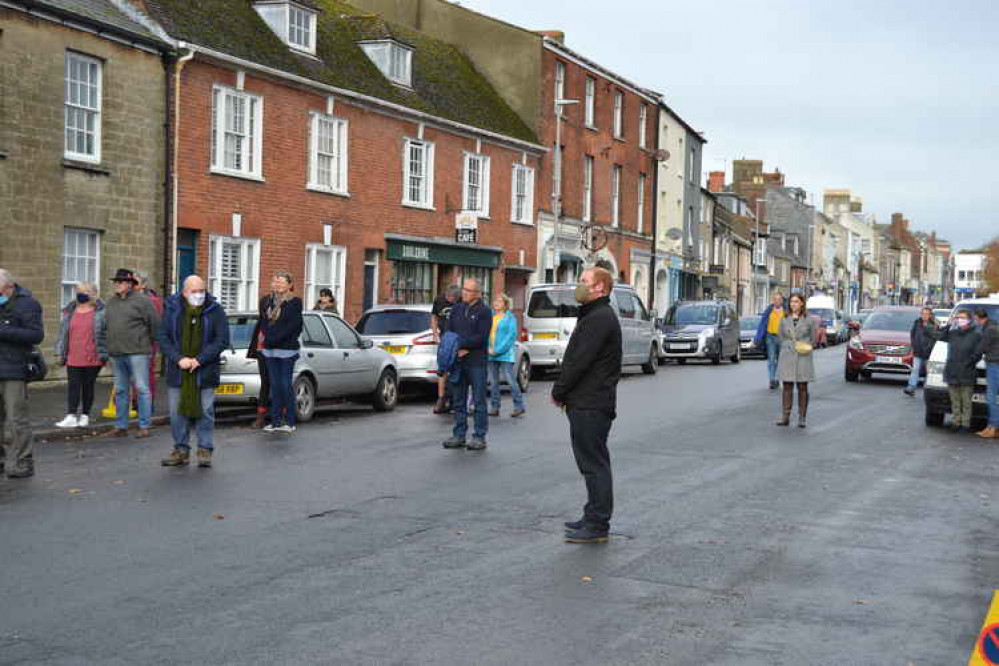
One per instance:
(587, 390)
(439, 314)
(990, 350)
(20, 330)
(472, 321)
(194, 334)
(132, 325)
(768, 334)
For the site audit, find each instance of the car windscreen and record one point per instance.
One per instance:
(991, 308)
(891, 321)
(394, 322)
(553, 303)
(749, 323)
(693, 315)
(825, 314)
(240, 331)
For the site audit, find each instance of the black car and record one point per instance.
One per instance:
(747, 333)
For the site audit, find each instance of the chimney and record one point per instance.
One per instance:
(554, 35)
(716, 181)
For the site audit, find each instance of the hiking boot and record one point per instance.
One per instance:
(178, 458)
(118, 432)
(23, 469)
(587, 534)
(204, 457)
(477, 444)
(517, 413)
(574, 525)
(143, 433)
(454, 443)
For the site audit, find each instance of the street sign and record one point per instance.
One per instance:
(986, 650)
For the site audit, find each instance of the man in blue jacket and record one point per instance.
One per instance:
(768, 334)
(472, 321)
(193, 336)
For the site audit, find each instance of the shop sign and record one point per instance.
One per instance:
(399, 250)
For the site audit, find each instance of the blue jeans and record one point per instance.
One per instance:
(474, 376)
(280, 372)
(128, 370)
(506, 368)
(773, 355)
(992, 392)
(181, 425)
(917, 368)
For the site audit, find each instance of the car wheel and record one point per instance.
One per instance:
(851, 376)
(934, 419)
(386, 393)
(524, 373)
(305, 399)
(717, 358)
(738, 355)
(650, 366)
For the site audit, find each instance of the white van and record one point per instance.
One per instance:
(824, 307)
(550, 319)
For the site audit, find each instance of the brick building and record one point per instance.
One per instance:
(321, 140)
(82, 147)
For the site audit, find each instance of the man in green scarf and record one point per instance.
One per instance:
(194, 334)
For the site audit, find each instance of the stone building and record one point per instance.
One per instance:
(82, 147)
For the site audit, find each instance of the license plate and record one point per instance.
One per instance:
(395, 349)
(894, 360)
(229, 389)
(680, 347)
(546, 336)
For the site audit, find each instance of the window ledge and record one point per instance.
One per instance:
(3, 154)
(86, 166)
(417, 206)
(235, 174)
(620, 138)
(324, 190)
(523, 224)
(592, 128)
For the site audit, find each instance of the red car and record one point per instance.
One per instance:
(882, 345)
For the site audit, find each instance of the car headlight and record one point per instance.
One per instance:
(855, 343)
(707, 333)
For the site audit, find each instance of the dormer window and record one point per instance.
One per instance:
(294, 23)
(393, 59)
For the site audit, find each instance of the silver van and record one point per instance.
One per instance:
(702, 329)
(551, 316)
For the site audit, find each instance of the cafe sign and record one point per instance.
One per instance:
(466, 228)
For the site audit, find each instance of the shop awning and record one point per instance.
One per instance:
(441, 251)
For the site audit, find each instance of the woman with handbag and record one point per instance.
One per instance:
(796, 367)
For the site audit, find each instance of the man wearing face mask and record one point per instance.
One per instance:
(194, 334)
(961, 372)
(587, 389)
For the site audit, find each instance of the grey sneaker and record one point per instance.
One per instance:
(454, 443)
(476, 444)
(517, 413)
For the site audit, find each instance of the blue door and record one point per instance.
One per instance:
(187, 255)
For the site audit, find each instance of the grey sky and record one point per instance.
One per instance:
(892, 99)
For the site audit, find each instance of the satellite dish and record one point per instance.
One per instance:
(662, 155)
(675, 234)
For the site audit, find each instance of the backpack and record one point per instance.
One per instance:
(447, 353)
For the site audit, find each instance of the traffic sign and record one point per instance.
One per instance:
(986, 651)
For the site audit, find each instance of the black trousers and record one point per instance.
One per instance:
(589, 429)
(81, 388)
(264, 399)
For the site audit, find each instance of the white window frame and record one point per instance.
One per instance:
(251, 138)
(559, 86)
(522, 195)
(643, 116)
(640, 227)
(618, 114)
(587, 215)
(590, 105)
(75, 106)
(90, 262)
(426, 199)
(337, 255)
(247, 284)
(616, 196)
(336, 183)
(475, 201)
(393, 60)
(309, 44)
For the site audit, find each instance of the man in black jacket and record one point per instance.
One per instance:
(923, 337)
(472, 320)
(20, 330)
(587, 389)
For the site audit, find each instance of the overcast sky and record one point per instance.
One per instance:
(895, 100)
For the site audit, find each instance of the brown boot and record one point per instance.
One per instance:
(260, 421)
(204, 457)
(143, 433)
(989, 433)
(178, 458)
(441, 405)
(786, 398)
(118, 432)
(802, 404)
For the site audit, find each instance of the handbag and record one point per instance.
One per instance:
(802, 348)
(36, 368)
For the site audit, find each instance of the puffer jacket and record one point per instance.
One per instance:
(100, 331)
(963, 352)
(21, 329)
(990, 342)
(504, 343)
(923, 337)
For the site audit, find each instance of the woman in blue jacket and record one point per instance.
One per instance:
(281, 324)
(502, 354)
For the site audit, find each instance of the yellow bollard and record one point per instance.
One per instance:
(110, 412)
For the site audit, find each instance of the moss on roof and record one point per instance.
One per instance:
(445, 83)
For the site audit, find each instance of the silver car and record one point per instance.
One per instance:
(404, 331)
(334, 362)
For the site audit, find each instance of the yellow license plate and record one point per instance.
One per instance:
(229, 389)
(546, 336)
(395, 349)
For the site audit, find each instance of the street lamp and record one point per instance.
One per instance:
(556, 180)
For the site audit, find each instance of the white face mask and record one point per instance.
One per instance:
(196, 299)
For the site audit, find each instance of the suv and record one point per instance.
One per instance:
(882, 344)
(935, 396)
(551, 317)
(702, 329)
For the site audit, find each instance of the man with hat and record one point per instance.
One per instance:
(132, 326)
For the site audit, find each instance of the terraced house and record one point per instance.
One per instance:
(320, 139)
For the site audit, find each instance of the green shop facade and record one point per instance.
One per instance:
(422, 268)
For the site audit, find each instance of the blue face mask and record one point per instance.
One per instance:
(4, 299)
(82, 298)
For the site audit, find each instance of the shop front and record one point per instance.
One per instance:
(422, 268)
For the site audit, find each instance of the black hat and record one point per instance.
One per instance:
(124, 275)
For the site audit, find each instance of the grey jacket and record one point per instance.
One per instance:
(132, 324)
(100, 331)
(990, 342)
(792, 366)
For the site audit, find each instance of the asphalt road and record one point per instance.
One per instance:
(865, 539)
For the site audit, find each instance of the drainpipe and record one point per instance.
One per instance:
(655, 214)
(173, 150)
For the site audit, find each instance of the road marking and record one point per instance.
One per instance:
(986, 651)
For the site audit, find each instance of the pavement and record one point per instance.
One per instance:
(864, 539)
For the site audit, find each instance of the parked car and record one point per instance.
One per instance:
(824, 307)
(821, 340)
(334, 362)
(942, 315)
(855, 321)
(702, 329)
(882, 345)
(747, 332)
(551, 317)
(404, 331)
(936, 398)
